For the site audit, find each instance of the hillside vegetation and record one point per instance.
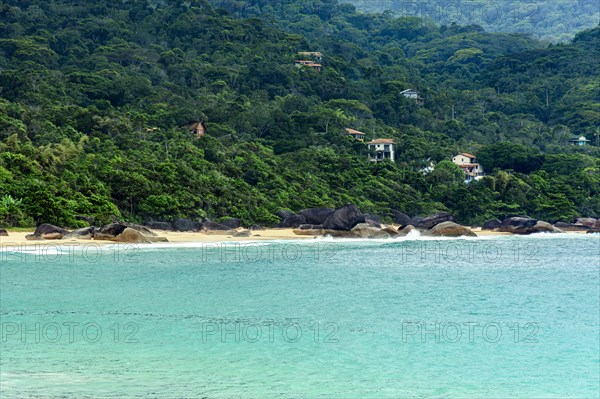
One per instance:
(550, 20)
(97, 98)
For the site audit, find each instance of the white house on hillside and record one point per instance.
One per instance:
(383, 148)
(578, 141)
(468, 163)
(413, 94)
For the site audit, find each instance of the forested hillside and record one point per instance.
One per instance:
(551, 20)
(97, 99)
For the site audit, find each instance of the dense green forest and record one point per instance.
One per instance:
(551, 20)
(97, 99)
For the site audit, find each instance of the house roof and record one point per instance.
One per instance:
(466, 154)
(468, 165)
(312, 64)
(198, 125)
(382, 141)
(313, 53)
(352, 131)
(580, 138)
(408, 91)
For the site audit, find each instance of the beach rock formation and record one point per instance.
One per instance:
(450, 229)
(491, 225)
(527, 225)
(133, 236)
(232, 223)
(49, 232)
(33, 237)
(186, 225)
(518, 225)
(165, 226)
(363, 230)
(284, 214)
(209, 225)
(571, 227)
(3, 233)
(406, 229)
(416, 220)
(391, 231)
(243, 233)
(344, 218)
(124, 232)
(256, 227)
(545, 227)
(589, 222)
(316, 215)
(436, 218)
(400, 218)
(308, 232)
(85, 233)
(597, 226)
(293, 221)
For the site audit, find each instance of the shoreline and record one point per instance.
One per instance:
(17, 238)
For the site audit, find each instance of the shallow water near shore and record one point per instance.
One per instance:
(483, 317)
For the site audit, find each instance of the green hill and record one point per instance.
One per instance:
(97, 100)
(551, 20)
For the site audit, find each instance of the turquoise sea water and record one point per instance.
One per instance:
(468, 318)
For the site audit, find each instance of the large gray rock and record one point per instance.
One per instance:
(244, 233)
(436, 218)
(491, 225)
(518, 225)
(400, 218)
(142, 229)
(3, 233)
(130, 235)
(544, 227)
(344, 218)
(363, 230)
(85, 233)
(209, 225)
(293, 221)
(597, 226)
(284, 214)
(109, 231)
(589, 222)
(450, 229)
(571, 227)
(112, 231)
(316, 215)
(391, 231)
(49, 229)
(232, 223)
(415, 220)
(165, 226)
(186, 225)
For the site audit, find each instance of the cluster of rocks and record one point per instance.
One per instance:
(229, 226)
(117, 232)
(349, 222)
(528, 225)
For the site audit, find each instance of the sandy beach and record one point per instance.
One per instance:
(18, 237)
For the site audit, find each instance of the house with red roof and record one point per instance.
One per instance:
(468, 163)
